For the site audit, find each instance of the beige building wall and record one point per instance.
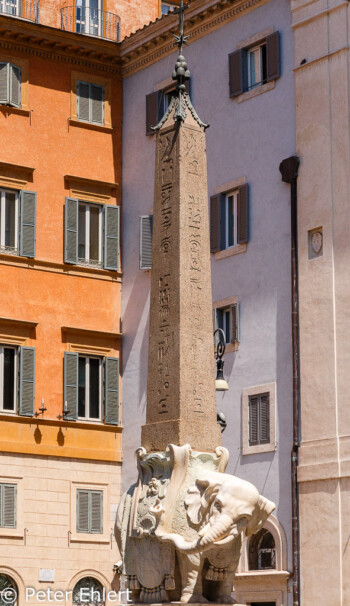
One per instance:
(46, 537)
(322, 124)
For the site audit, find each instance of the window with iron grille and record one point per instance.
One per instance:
(259, 419)
(262, 551)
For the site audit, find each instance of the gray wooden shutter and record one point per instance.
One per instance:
(152, 111)
(112, 391)
(71, 382)
(111, 239)
(4, 83)
(97, 104)
(15, 85)
(96, 511)
(83, 510)
(146, 229)
(71, 231)
(238, 72)
(27, 232)
(253, 420)
(9, 505)
(243, 214)
(27, 381)
(273, 65)
(264, 419)
(215, 222)
(234, 321)
(83, 101)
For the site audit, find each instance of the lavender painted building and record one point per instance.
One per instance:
(248, 99)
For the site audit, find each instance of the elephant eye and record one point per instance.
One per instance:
(218, 505)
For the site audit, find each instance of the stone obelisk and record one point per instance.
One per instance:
(181, 401)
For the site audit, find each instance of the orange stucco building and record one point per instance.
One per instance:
(60, 286)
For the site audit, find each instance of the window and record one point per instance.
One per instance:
(8, 378)
(9, 7)
(146, 230)
(158, 102)
(262, 552)
(10, 84)
(168, 7)
(254, 65)
(91, 388)
(90, 384)
(90, 102)
(17, 222)
(90, 511)
(88, 591)
(17, 371)
(229, 220)
(8, 502)
(259, 419)
(91, 234)
(88, 17)
(227, 318)
(8, 589)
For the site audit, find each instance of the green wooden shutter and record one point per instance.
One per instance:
(253, 420)
(237, 72)
(4, 83)
(15, 85)
(111, 239)
(27, 224)
(243, 214)
(146, 229)
(273, 64)
(71, 231)
(97, 104)
(153, 104)
(264, 419)
(83, 510)
(83, 101)
(9, 505)
(112, 391)
(234, 323)
(96, 511)
(71, 383)
(216, 204)
(27, 381)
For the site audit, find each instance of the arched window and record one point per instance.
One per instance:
(8, 590)
(262, 551)
(88, 592)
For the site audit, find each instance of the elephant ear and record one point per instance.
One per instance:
(198, 500)
(261, 512)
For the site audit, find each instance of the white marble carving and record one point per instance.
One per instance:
(179, 529)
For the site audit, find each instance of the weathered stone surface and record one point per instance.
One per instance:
(181, 402)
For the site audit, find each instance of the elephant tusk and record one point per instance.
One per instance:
(226, 540)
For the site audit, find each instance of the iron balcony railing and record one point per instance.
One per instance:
(90, 21)
(25, 9)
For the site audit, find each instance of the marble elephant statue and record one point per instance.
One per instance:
(219, 507)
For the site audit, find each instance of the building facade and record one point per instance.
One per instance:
(60, 301)
(241, 58)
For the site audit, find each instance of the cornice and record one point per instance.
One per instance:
(154, 41)
(58, 45)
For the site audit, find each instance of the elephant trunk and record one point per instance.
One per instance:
(220, 529)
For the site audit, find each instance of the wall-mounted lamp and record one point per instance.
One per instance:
(42, 409)
(220, 382)
(65, 411)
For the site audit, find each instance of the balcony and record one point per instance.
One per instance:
(91, 22)
(24, 9)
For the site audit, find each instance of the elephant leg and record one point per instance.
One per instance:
(191, 577)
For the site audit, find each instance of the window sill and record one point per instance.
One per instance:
(21, 111)
(230, 347)
(259, 448)
(89, 538)
(255, 92)
(88, 125)
(229, 252)
(11, 533)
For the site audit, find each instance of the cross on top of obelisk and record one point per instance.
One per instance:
(181, 39)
